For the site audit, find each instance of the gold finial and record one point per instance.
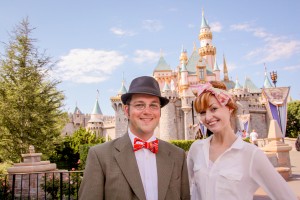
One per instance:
(161, 52)
(195, 48)
(97, 94)
(202, 11)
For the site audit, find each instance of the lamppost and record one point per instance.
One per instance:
(273, 75)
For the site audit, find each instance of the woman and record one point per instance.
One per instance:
(223, 166)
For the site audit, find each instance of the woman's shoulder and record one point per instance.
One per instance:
(198, 144)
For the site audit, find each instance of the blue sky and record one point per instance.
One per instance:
(94, 42)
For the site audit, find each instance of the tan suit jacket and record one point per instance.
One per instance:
(112, 172)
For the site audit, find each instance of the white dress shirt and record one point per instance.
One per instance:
(146, 161)
(236, 174)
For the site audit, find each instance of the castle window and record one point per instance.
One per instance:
(201, 74)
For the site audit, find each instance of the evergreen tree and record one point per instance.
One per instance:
(30, 104)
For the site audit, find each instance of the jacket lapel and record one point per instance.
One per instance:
(127, 162)
(164, 169)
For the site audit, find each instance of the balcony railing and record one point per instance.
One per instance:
(47, 185)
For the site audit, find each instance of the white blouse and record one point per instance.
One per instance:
(236, 174)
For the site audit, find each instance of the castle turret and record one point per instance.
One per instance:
(121, 121)
(168, 127)
(183, 56)
(184, 84)
(207, 50)
(162, 72)
(95, 124)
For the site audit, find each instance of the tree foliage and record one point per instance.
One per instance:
(30, 104)
(67, 152)
(293, 119)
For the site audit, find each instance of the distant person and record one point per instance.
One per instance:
(223, 166)
(253, 137)
(137, 165)
(245, 134)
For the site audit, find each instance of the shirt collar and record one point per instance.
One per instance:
(132, 136)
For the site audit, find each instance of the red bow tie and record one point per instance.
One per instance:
(152, 146)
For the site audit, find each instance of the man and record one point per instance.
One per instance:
(124, 168)
(253, 137)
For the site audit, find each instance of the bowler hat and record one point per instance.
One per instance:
(144, 85)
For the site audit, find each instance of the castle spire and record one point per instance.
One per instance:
(267, 82)
(123, 89)
(204, 23)
(225, 69)
(96, 109)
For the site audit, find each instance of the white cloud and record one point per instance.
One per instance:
(240, 27)
(274, 48)
(291, 68)
(216, 27)
(152, 25)
(142, 56)
(88, 65)
(122, 32)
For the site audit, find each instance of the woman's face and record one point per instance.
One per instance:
(216, 117)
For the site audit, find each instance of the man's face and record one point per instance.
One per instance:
(143, 113)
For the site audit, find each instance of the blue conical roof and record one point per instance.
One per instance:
(162, 65)
(123, 89)
(204, 23)
(250, 86)
(77, 111)
(96, 110)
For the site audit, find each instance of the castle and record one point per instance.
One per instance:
(178, 118)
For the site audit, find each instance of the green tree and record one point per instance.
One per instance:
(30, 104)
(68, 151)
(293, 119)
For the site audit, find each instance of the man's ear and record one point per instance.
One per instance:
(126, 110)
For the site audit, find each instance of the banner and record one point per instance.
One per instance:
(244, 121)
(277, 105)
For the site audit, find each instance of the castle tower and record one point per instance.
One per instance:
(162, 72)
(207, 50)
(78, 118)
(95, 124)
(184, 84)
(168, 127)
(121, 121)
(183, 56)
